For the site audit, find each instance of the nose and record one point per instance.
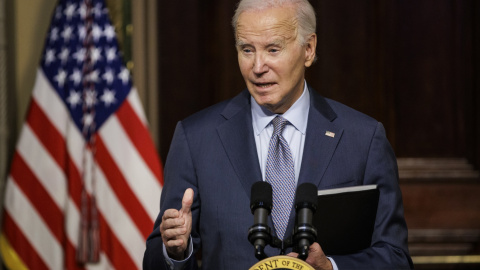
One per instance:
(259, 64)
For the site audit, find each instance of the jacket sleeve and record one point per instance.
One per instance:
(389, 248)
(179, 174)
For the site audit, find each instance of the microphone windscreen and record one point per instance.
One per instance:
(306, 194)
(261, 194)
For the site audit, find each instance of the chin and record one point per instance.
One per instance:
(264, 101)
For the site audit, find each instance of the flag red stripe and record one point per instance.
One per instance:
(139, 135)
(119, 185)
(47, 133)
(56, 146)
(74, 183)
(112, 247)
(21, 245)
(38, 195)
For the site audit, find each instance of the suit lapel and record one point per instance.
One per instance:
(236, 134)
(319, 147)
(321, 140)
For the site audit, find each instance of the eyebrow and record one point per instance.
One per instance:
(240, 43)
(276, 42)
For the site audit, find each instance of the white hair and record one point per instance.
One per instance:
(307, 22)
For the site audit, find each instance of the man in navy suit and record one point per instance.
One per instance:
(217, 154)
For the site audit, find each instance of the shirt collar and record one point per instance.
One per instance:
(297, 114)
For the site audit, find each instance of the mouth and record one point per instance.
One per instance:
(264, 85)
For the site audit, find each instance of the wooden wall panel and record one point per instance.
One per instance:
(350, 55)
(197, 60)
(444, 205)
(432, 71)
(473, 94)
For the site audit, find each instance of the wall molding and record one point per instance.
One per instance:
(435, 169)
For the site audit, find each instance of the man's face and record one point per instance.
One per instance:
(271, 60)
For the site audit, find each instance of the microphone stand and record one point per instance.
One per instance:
(282, 245)
(303, 236)
(259, 235)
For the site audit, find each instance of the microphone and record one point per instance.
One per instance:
(261, 205)
(305, 206)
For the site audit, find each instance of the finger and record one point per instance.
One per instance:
(293, 254)
(174, 243)
(170, 213)
(187, 201)
(174, 233)
(172, 223)
(315, 247)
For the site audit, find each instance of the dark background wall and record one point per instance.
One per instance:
(412, 64)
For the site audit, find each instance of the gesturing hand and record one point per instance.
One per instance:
(176, 227)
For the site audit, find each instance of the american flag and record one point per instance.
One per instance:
(85, 172)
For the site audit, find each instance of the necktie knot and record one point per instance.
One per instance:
(279, 124)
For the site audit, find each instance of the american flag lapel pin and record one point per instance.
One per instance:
(330, 134)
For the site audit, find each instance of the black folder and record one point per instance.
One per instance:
(345, 218)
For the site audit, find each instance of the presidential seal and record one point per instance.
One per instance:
(281, 263)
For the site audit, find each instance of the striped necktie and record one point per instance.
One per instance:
(281, 175)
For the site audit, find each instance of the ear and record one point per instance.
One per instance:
(310, 50)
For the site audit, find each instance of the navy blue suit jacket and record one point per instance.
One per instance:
(213, 152)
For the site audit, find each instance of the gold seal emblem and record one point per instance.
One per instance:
(281, 263)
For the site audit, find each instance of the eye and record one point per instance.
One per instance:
(274, 50)
(246, 50)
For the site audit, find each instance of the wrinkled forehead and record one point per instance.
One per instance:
(271, 22)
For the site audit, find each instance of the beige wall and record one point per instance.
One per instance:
(31, 22)
(24, 25)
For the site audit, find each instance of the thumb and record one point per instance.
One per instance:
(187, 201)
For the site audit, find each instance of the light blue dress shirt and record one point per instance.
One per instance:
(294, 133)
